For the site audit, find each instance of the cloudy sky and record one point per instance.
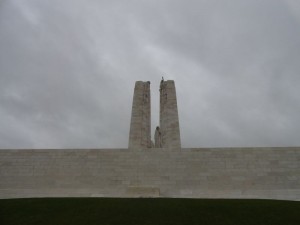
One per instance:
(68, 68)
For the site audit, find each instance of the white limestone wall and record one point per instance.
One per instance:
(268, 173)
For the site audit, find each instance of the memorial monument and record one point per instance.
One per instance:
(158, 168)
(167, 134)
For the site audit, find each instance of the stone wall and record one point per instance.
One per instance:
(268, 173)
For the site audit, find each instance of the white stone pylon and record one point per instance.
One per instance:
(140, 126)
(169, 122)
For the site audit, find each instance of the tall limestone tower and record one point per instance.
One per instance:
(168, 134)
(169, 122)
(140, 126)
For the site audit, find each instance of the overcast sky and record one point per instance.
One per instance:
(68, 68)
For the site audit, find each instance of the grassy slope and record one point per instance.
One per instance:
(106, 211)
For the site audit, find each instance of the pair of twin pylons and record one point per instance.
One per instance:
(167, 134)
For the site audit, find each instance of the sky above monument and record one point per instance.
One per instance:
(68, 68)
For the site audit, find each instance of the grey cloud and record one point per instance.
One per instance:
(67, 70)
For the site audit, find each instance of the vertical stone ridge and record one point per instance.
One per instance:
(169, 122)
(140, 125)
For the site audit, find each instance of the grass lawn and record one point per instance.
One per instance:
(85, 211)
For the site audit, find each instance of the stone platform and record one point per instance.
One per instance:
(262, 173)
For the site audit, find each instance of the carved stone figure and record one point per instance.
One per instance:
(157, 138)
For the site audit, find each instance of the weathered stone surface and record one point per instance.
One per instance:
(140, 126)
(142, 192)
(169, 122)
(269, 173)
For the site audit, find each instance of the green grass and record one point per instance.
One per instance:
(85, 211)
